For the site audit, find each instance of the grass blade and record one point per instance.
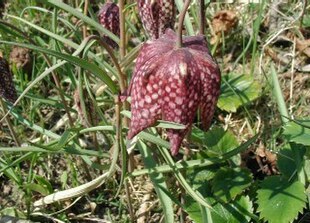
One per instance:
(159, 183)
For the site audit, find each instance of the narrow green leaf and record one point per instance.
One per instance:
(191, 164)
(193, 193)
(86, 19)
(63, 140)
(187, 21)
(159, 183)
(37, 188)
(277, 92)
(94, 69)
(45, 31)
(170, 125)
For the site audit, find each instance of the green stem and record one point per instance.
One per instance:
(181, 20)
(13, 133)
(122, 47)
(86, 5)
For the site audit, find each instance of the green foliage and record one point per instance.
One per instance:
(228, 183)
(218, 141)
(237, 211)
(78, 158)
(298, 131)
(159, 183)
(286, 162)
(279, 200)
(237, 90)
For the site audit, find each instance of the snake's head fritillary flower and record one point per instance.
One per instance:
(7, 88)
(171, 84)
(108, 17)
(156, 16)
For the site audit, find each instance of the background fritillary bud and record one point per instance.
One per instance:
(108, 17)
(7, 88)
(156, 16)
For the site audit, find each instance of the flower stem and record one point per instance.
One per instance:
(181, 20)
(122, 47)
(86, 5)
(202, 17)
(121, 77)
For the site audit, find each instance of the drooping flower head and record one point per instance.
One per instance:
(7, 89)
(156, 16)
(171, 83)
(108, 17)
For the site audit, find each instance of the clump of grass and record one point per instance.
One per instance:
(70, 126)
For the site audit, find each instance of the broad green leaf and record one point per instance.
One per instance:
(280, 201)
(194, 210)
(306, 21)
(228, 183)
(290, 159)
(286, 163)
(217, 140)
(14, 212)
(298, 133)
(237, 211)
(237, 90)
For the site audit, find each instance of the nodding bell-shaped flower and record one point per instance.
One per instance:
(7, 88)
(156, 16)
(171, 84)
(108, 17)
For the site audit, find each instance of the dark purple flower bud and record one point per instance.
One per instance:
(171, 83)
(156, 16)
(7, 88)
(108, 17)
